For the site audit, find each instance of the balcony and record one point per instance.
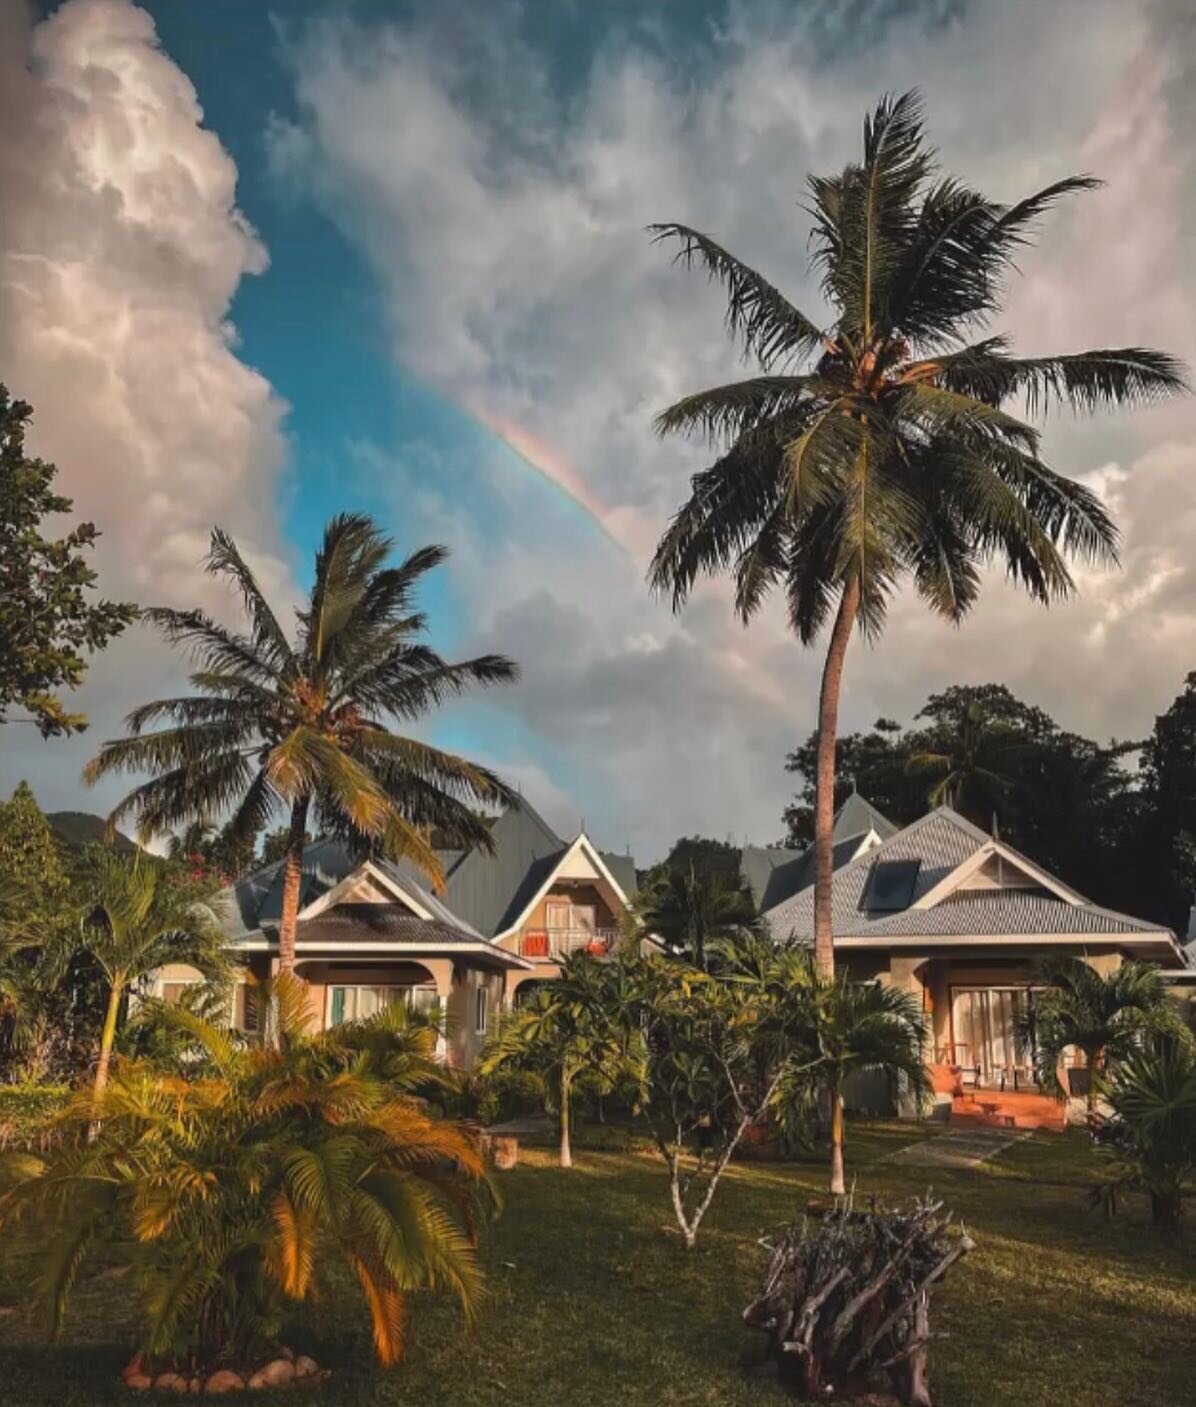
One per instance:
(552, 944)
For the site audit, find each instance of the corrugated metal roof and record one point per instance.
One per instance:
(776, 873)
(483, 893)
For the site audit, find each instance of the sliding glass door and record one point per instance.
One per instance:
(983, 1026)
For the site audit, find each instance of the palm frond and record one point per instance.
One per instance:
(770, 328)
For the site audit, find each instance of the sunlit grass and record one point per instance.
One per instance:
(593, 1300)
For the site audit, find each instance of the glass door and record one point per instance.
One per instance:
(983, 1024)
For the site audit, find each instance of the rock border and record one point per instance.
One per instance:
(286, 1369)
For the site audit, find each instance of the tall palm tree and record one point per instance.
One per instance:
(138, 919)
(689, 908)
(1104, 1016)
(873, 446)
(302, 727)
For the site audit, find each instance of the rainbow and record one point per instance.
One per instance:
(550, 464)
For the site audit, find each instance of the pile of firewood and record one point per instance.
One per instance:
(845, 1300)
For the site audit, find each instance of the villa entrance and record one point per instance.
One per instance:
(984, 1044)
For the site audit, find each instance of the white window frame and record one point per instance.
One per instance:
(481, 1009)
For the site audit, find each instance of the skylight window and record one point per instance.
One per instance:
(890, 886)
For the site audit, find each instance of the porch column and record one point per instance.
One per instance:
(910, 973)
(441, 972)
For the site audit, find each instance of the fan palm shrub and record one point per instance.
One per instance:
(1149, 1139)
(234, 1189)
(563, 1032)
(833, 1029)
(1105, 1016)
(688, 909)
(302, 727)
(138, 917)
(885, 440)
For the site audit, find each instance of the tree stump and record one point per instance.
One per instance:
(846, 1303)
(506, 1151)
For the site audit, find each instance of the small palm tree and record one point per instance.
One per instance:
(563, 1031)
(848, 1028)
(228, 1188)
(138, 918)
(972, 773)
(1104, 1016)
(688, 909)
(302, 727)
(1149, 1141)
(873, 446)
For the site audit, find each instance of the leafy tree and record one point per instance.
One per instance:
(302, 727)
(562, 1033)
(872, 447)
(321, 1150)
(1104, 1016)
(47, 620)
(275, 843)
(138, 918)
(1149, 1139)
(29, 854)
(688, 909)
(35, 913)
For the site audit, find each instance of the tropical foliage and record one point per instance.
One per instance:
(688, 908)
(1104, 1016)
(831, 1029)
(230, 1191)
(48, 621)
(563, 1032)
(1149, 1138)
(301, 727)
(873, 446)
(138, 918)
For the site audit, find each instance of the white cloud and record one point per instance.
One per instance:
(121, 248)
(507, 230)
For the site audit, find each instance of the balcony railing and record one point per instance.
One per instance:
(549, 943)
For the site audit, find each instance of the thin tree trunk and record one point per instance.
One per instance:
(838, 1185)
(293, 874)
(566, 1147)
(824, 781)
(108, 1038)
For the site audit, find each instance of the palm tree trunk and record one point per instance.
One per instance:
(838, 1185)
(824, 781)
(108, 1038)
(566, 1147)
(292, 876)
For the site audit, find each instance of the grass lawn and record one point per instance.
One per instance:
(593, 1300)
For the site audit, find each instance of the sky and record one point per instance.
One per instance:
(261, 263)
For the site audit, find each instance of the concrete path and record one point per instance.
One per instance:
(956, 1148)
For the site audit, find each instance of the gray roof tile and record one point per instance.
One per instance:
(942, 841)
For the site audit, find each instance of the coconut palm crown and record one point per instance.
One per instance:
(874, 446)
(302, 727)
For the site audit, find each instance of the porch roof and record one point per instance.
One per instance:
(379, 929)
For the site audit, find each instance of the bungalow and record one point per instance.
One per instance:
(372, 932)
(959, 919)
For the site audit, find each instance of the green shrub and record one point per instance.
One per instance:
(25, 1111)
